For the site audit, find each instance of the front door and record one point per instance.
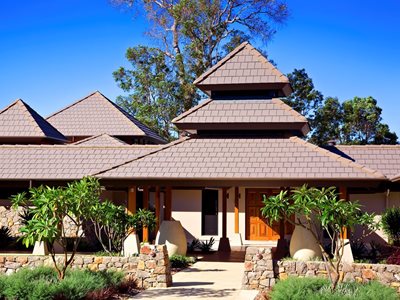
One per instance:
(257, 228)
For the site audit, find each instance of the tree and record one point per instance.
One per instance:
(355, 121)
(318, 210)
(50, 207)
(112, 224)
(362, 123)
(328, 122)
(305, 98)
(190, 37)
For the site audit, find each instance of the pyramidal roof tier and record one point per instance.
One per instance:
(96, 114)
(101, 140)
(242, 114)
(21, 123)
(245, 68)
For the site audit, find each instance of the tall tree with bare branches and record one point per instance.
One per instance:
(189, 37)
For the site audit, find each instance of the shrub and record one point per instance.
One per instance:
(43, 284)
(193, 245)
(394, 259)
(180, 261)
(206, 246)
(391, 224)
(5, 237)
(295, 288)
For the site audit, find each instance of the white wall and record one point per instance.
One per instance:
(186, 208)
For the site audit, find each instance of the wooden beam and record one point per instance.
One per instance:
(344, 195)
(157, 205)
(236, 209)
(146, 194)
(168, 204)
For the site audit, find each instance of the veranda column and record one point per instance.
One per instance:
(146, 194)
(157, 204)
(347, 253)
(236, 209)
(168, 204)
(131, 243)
(224, 245)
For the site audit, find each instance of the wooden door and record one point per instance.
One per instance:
(257, 228)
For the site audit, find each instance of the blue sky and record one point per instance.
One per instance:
(56, 51)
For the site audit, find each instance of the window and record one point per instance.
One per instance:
(209, 212)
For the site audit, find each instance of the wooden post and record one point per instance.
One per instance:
(343, 195)
(236, 209)
(157, 204)
(145, 233)
(168, 204)
(224, 212)
(131, 207)
(224, 245)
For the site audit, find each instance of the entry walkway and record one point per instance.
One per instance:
(204, 280)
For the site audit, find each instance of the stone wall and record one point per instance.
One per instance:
(150, 269)
(258, 269)
(261, 271)
(11, 218)
(386, 274)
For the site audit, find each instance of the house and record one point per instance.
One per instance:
(241, 144)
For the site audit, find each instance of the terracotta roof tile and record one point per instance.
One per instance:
(96, 114)
(20, 120)
(243, 65)
(101, 140)
(251, 111)
(62, 161)
(242, 158)
(384, 158)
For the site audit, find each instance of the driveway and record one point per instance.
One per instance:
(204, 280)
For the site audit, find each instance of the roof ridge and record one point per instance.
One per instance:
(70, 105)
(264, 60)
(220, 63)
(289, 108)
(192, 110)
(167, 146)
(369, 146)
(339, 158)
(72, 146)
(97, 136)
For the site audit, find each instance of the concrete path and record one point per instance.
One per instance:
(204, 280)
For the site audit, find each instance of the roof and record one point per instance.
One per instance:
(206, 158)
(237, 114)
(62, 162)
(245, 65)
(95, 114)
(384, 158)
(101, 140)
(19, 120)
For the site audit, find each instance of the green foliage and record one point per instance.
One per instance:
(180, 261)
(305, 98)
(50, 206)
(316, 210)
(191, 35)
(295, 288)
(355, 121)
(112, 224)
(42, 283)
(206, 246)
(194, 245)
(5, 237)
(391, 224)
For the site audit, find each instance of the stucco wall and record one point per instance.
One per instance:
(376, 203)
